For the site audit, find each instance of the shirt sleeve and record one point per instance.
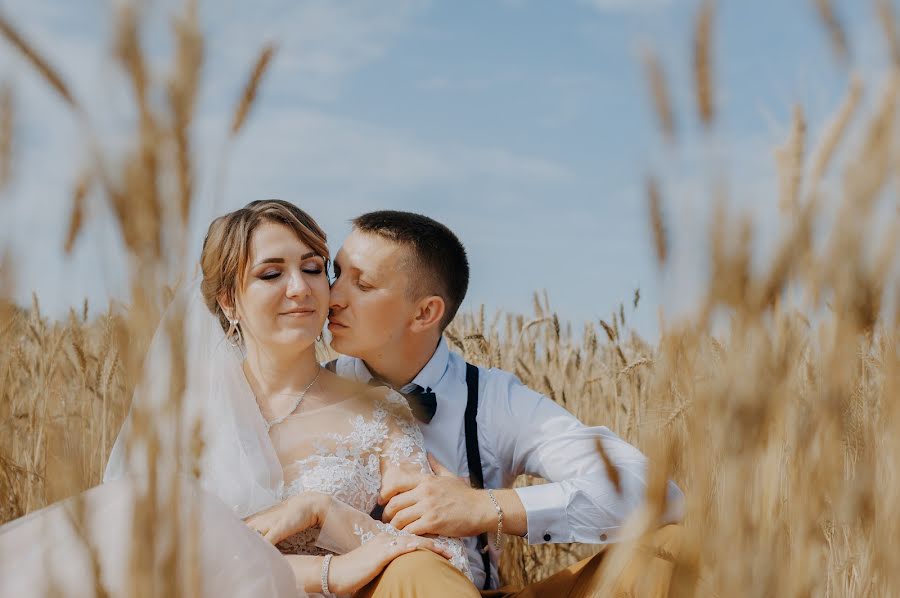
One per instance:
(534, 435)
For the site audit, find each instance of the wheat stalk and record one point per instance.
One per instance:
(130, 54)
(643, 361)
(835, 131)
(7, 122)
(889, 25)
(182, 88)
(703, 76)
(251, 88)
(657, 224)
(40, 64)
(659, 91)
(611, 472)
(835, 29)
(789, 159)
(76, 218)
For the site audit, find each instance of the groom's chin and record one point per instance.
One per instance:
(345, 346)
(340, 344)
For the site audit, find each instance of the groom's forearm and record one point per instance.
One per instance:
(515, 520)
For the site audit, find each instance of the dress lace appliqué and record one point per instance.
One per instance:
(348, 467)
(459, 559)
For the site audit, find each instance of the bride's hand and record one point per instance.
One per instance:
(291, 516)
(352, 571)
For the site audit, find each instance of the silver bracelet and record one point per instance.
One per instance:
(497, 545)
(325, 565)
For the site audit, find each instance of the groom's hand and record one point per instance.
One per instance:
(441, 504)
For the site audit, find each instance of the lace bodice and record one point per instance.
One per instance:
(347, 450)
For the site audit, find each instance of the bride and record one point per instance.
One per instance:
(295, 451)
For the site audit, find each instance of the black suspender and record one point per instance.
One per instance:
(473, 456)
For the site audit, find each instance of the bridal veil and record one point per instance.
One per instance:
(238, 463)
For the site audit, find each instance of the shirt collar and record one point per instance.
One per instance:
(360, 371)
(428, 377)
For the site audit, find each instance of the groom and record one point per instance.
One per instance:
(399, 281)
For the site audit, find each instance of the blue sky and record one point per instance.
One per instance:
(524, 125)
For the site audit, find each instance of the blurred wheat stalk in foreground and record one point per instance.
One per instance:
(67, 386)
(782, 427)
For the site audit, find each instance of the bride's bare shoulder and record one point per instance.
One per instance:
(339, 388)
(345, 390)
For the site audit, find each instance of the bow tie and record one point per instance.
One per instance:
(422, 401)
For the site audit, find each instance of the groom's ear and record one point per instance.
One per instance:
(429, 313)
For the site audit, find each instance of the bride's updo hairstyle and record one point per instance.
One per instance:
(226, 248)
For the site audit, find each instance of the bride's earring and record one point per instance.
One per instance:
(234, 333)
(319, 339)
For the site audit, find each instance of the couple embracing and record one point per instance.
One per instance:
(386, 472)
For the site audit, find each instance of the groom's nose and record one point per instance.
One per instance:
(338, 297)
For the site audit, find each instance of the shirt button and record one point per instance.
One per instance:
(546, 537)
(603, 537)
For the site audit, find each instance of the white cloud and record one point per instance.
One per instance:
(312, 147)
(320, 41)
(442, 83)
(339, 167)
(623, 6)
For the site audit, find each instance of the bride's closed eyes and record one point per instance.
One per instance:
(314, 267)
(273, 274)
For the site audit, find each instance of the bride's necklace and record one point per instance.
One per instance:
(278, 420)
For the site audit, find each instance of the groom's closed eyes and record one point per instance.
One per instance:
(362, 282)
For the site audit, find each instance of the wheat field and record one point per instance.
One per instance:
(775, 405)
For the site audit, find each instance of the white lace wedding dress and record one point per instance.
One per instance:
(346, 450)
(46, 554)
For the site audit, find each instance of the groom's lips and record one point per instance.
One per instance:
(334, 325)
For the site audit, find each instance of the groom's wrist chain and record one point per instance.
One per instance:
(325, 565)
(497, 544)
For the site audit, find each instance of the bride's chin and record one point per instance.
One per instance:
(296, 339)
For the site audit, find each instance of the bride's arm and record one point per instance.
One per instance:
(364, 549)
(349, 572)
(297, 513)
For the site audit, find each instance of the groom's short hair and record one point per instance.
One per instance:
(438, 264)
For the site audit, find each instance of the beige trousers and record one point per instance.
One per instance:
(424, 574)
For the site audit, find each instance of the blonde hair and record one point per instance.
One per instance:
(226, 248)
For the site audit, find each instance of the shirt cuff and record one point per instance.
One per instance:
(545, 510)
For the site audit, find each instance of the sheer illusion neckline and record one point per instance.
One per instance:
(307, 409)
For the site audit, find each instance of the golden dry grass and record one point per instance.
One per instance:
(781, 423)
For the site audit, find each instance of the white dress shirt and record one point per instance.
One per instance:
(521, 431)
